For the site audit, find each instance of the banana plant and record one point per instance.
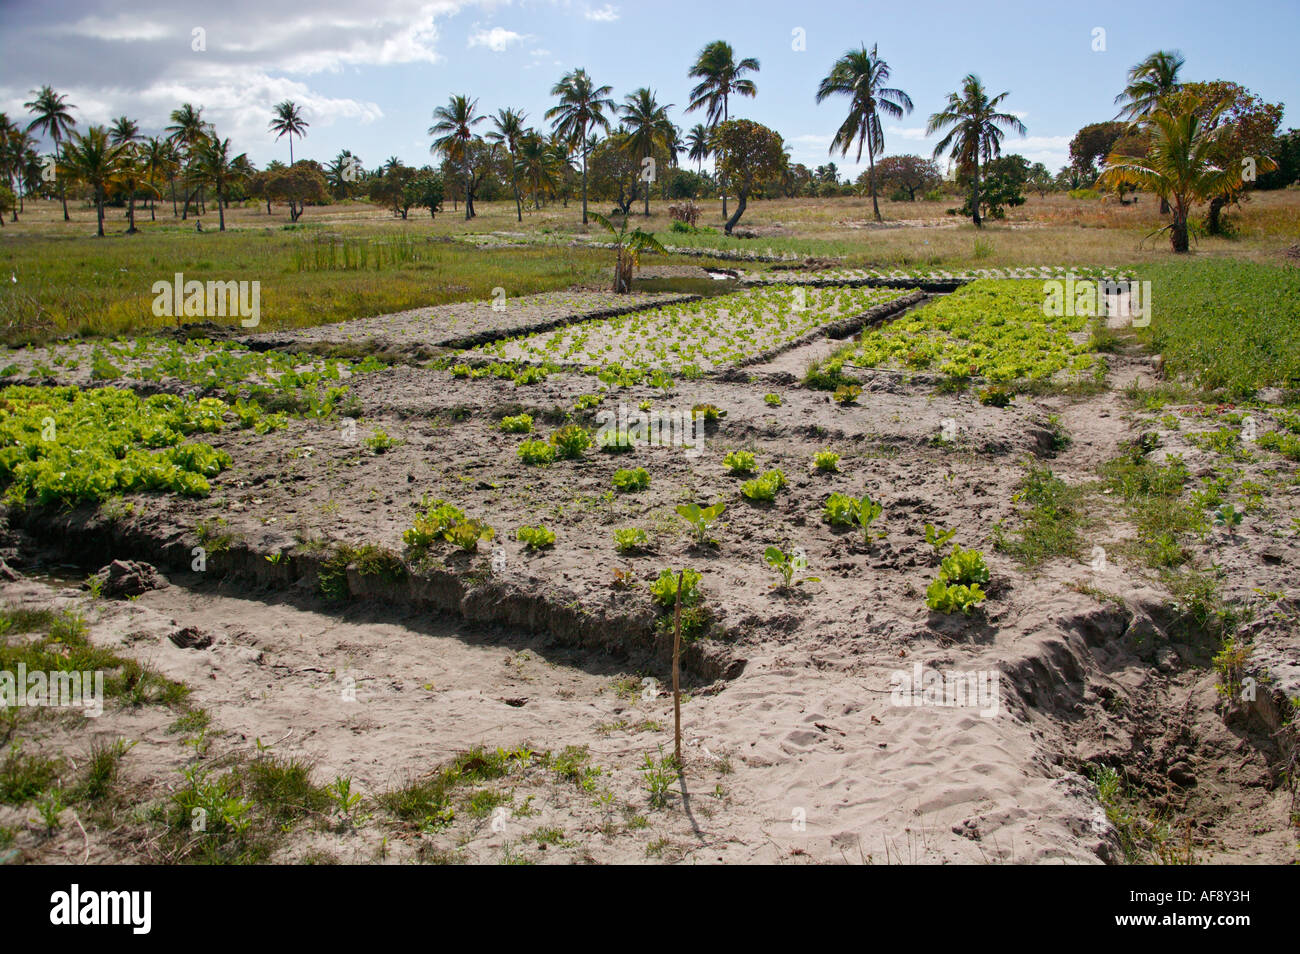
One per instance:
(628, 247)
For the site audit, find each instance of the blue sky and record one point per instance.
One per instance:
(369, 72)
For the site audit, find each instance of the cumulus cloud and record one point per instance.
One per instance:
(496, 39)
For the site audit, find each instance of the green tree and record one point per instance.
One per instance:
(581, 110)
(94, 160)
(862, 76)
(1179, 166)
(648, 130)
(749, 153)
(720, 77)
(211, 164)
(288, 121)
(454, 130)
(53, 117)
(699, 145)
(1148, 83)
(509, 129)
(974, 134)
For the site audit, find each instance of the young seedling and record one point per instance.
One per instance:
(847, 394)
(787, 564)
(739, 463)
(701, 519)
(535, 538)
(629, 539)
(938, 539)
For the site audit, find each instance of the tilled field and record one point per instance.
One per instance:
(797, 749)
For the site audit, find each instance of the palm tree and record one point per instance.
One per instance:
(862, 76)
(699, 143)
(1179, 165)
(288, 121)
(53, 118)
(1148, 83)
(720, 77)
(582, 107)
(538, 163)
(509, 125)
(186, 131)
(628, 247)
(158, 157)
(648, 129)
(454, 129)
(125, 133)
(94, 160)
(212, 165)
(973, 122)
(15, 145)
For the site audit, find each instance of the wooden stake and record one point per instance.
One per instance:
(677, 689)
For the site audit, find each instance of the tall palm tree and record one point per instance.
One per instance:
(974, 131)
(53, 117)
(288, 121)
(94, 160)
(454, 129)
(125, 133)
(213, 165)
(699, 144)
(581, 109)
(720, 76)
(648, 129)
(509, 127)
(1179, 164)
(186, 131)
(862, 76)
(1149, 82)
(15, 145)
(158, 157)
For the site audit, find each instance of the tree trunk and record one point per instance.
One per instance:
(722, 183)
(741, 201)
(221, 212)
(1178, 230)
(871, 177)
(975, 195)
(130, 211)
(1214, 217)
(469, 199)
(99, 210)
(583, 146)
(172, 182)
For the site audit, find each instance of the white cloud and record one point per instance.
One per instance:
(496, 39)
(605, 14)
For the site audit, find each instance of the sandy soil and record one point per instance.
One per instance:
(795, 748)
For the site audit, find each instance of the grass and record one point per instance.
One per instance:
(1051, 515)
(1229, 325)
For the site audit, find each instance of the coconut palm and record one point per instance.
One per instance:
(648, 129)
(288, 121)
(1148, 83)
(96, 161)
(862, 76)
(15, 147)
(212, 164)
(539, 164)
(581, 109)
(126, 133)
(186, 131)
(53, 117)
(699, 144)
(509, 128)
(1179, 164)
(720, 76)
(455, 129)
(158, 158)
(974, 131)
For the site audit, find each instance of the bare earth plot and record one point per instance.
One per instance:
(795, 747)
(464, 323)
